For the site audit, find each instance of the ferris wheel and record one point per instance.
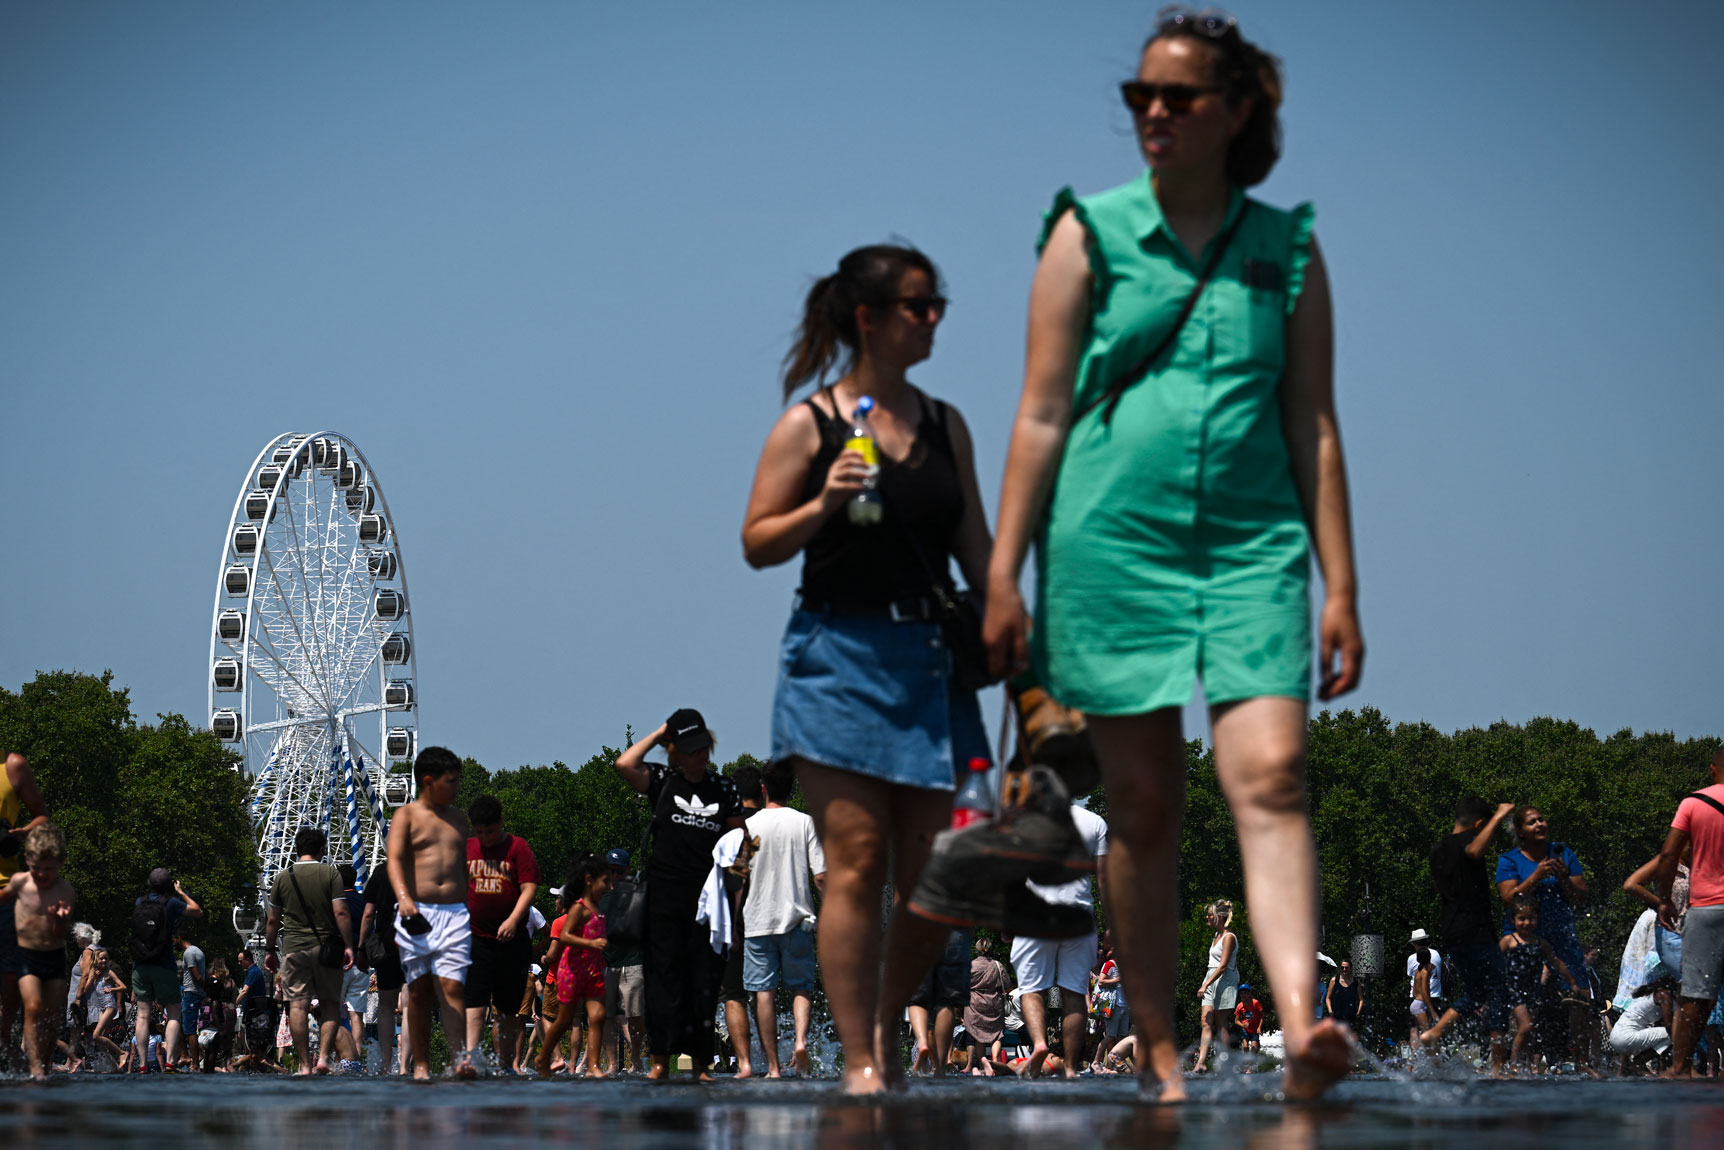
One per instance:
(312, 671)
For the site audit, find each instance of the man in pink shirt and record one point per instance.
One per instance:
(1699, 822)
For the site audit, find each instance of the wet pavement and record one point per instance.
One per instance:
(246, 1112)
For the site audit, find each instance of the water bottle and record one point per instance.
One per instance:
(865, 507)
(975, 800)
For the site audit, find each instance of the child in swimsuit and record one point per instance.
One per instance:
(40, 901)
(1525, 957)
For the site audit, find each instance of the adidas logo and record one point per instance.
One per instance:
(694, 813)
(694, 806)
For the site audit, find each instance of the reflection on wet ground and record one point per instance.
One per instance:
(243, 1113)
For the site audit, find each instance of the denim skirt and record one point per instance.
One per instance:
(866, 694)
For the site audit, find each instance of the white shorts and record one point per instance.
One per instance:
(1045, 962)
(446, 950)
(355, 989)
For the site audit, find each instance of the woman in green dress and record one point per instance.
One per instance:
(1175, 477)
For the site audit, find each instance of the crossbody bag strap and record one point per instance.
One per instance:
(309, 916)
(1709, 801)
(1123, 382)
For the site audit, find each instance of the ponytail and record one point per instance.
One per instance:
(867, 277)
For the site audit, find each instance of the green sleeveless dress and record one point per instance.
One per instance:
(1175, 545)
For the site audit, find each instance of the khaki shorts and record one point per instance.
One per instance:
(304, 978)
(625, 992)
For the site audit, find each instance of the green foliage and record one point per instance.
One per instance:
(1381, 796)
(131, 798)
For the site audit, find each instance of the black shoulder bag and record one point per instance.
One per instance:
(1121, 383)
(331, 951)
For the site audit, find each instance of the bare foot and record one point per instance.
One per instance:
(864, 1080)
(922, 1063)
(774, 1074)
(322, 1067)
(705, 1076)
(745, 1070)
(1322, 1060)
(1033, 1065)
(659, 1072)
(597, 1074)
(464, 1067)
(799, 1062)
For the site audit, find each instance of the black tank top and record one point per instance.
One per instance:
(850, 566)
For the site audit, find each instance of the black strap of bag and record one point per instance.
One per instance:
(331, 951)
(1709, 801)
(1122, 382)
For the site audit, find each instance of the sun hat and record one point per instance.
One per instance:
(1419, 935)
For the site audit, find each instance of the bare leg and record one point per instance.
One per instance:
(1034, 1005)
(140, 1038)
(861, 821)
(328, 1026)
(736, 1021)
(1207, 1031)
(509, 1028)
(421, 993)
(1074, 1032)
(919, 1062)
(44, 1003)
(298, 1012)
(386, 1000)
(1143, 766)
(913, 944)
(554, 1030)
(475, 1025)
(802, 1009)
(1523, 1029)
(595, 1035)
(766, 1017)
(1689, 1019)
(171, 1033)
(1260, 759)
(945, 1021)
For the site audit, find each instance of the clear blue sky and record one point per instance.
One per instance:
(541, 260)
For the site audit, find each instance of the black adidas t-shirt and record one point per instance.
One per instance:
(688, 819)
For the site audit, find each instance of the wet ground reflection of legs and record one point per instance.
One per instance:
(254, 1114)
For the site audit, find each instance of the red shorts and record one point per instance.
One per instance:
(576, 983)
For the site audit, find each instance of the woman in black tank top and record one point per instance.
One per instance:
(865, 706)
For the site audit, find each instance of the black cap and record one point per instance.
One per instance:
(617, 857)
(687, 731)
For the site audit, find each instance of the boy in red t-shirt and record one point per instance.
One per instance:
(1249, 1015)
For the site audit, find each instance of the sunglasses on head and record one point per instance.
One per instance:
(923, 307)
(1176, 98)
(1209, 24)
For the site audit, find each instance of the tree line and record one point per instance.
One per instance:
(132, 796)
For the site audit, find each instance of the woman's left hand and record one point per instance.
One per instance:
(1339, 635)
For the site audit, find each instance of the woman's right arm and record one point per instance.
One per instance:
(779, 522)
(1636, 884)
(1059, 317)
(631, 764)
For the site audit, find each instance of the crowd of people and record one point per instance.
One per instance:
(1176, 461)
(1513, 976)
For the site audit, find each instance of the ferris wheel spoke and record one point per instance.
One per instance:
(315, 647)
(298, 632)
(287, 673)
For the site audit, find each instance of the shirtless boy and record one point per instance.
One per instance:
(428, 870)
(41, 903)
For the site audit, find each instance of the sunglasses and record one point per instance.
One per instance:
(1176, 98)
(1210, 25)
(923, 308)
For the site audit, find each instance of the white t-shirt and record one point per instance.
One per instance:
(780, 893)
(1078, 892)
(1436, 973)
